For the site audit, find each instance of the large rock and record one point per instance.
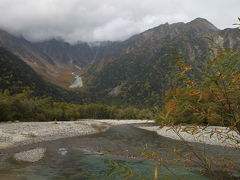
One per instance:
(32, 155)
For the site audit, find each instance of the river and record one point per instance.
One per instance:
(77, 83)
(88, 157)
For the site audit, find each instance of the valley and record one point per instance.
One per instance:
(138, 67)
(162, 103)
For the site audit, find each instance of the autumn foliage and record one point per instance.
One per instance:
(213, 98)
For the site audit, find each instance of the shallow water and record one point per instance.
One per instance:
(82, 157)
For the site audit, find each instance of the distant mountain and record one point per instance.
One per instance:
(16, 75)
(135, 71)
(56, 60)
(81, 54)
(23, 48)
(138, 72)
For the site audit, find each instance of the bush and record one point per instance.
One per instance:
(214, 99)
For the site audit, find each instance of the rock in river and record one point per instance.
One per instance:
(32, 155)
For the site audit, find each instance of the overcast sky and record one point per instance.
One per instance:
(97, 20)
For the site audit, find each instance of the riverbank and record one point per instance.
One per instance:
(22, 133)
(212, 135)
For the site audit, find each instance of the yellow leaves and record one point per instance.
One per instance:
(223, 100)
(179, 92)
(195, 93)
(185, 68)
(189, 82)
(212, 62)
(223, 76)
(170, 106)
(235, 78)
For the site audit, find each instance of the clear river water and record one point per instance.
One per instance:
(90, 157)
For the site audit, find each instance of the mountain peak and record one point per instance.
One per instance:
(203, 24)
(201, 20)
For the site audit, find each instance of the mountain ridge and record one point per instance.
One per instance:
(139, 70)
(129, 71)
(54, 59)
(17, 76)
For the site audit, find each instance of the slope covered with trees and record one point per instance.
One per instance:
(55, 59)
(25, 96)
(140, 72)
(16, 76)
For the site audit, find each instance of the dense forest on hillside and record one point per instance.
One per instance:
(25, 107)
(16, 76)
(25, 96)
(140, 72)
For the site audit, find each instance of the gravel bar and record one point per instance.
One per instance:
(22, 133)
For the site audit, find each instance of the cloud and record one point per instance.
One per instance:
(94, 20)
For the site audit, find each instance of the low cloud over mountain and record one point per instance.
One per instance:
(94, 20)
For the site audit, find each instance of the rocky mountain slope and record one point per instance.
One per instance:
(16, 76)
(138, 73)
(56, 60)
(135, 71)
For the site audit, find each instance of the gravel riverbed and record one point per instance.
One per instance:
(213, 135)
(22, 133)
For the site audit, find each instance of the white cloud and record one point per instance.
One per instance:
(94, 20)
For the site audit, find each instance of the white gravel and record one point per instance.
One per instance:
(32, 155)
(14, 134)
(209, 135)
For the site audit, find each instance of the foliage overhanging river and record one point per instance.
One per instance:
(88, 157)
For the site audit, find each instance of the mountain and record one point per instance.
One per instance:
(16, 75)
(56, 60)
(135, 71)
(139, 72)
(81, 54)
(23, 48)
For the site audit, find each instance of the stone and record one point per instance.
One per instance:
(32, 155)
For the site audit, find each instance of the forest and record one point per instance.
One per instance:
(26, 107)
